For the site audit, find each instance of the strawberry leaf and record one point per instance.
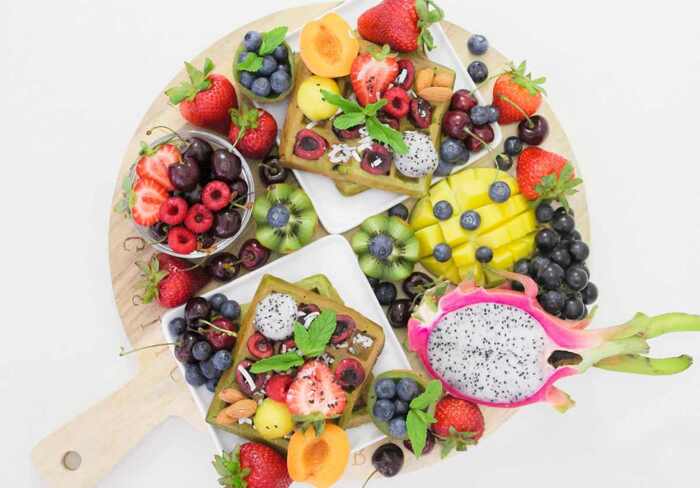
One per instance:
(553, 187)
(520, 77)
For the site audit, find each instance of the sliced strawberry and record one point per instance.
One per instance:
(168, 154)
(371, 75)
(315, 390)
(278, 387)
(154, 163)
(147, 197)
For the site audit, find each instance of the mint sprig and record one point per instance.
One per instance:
(252, 62)
(278, 363)
(354, 114)
(312, 341)
(418, 420)
(270, 40)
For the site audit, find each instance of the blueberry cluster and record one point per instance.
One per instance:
(559, 265)
(204, 350)
(393, 399)
(274, 77)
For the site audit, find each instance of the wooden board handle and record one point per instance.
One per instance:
(82, 452)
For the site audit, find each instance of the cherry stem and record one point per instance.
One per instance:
(139, 247)
(123, 352)
(165, 127)
(369, 478)
(518, 108)
(223, 331)
(486, 144)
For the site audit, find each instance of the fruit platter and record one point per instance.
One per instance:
(349, 241)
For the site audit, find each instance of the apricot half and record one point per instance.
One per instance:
(318, 460)
(328, 46)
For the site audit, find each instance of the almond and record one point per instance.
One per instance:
(230, 395)
(424, 78)
(444, 78)
(224, 419)
(436, 94)
(242, 409)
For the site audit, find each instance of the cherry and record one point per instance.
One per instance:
(309, 145)
(246, 388)
(225, 165)
(349, 373)
(239, 190)
(253, 254)
(407, 73)
(223, 266)
(227, 223)
(271, 171)
(377, 160)
(399, 312)
(347, 134)
(454, 123)
(197, 308)
(345, 326)
(421, 113)
(534, 130)
(463, 101)
(184, 176)
(219, 339)
(480, 135)
(259, 346)
(389, 120)
(388, 459)
(183, 349)
(416, 284)
(429, 444)
(307, 308)
(200, 150)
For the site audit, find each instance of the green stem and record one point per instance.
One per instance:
(123, 352)
(223, 331)
(518, 108)
(638, 364)
(672, 322)
(630, 345)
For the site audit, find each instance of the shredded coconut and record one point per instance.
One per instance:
(246, 376)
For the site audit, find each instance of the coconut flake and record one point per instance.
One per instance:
(311, 124)
(340, 153)
(246, 376)
(362, 340)
(246, 420)
(310, 318)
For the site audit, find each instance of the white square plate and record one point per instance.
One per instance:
(333, 257)
(337, 212)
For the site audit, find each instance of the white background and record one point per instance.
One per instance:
(76, 78)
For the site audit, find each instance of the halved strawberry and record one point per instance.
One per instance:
(371, 75)
(315, 390)
(154, 163)
(147, 196)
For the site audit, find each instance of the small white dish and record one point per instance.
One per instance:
(333, 257)
(339, 213)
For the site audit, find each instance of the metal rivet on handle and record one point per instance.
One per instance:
(72, 460)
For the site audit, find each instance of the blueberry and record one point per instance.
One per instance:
(252, 41)
(400, 407)
(384, 410)
(397, 427)
(217, 300)
(576, 278)
(579, 250)
(478, 71)
(399, 210)
(504, 162)
(243, 56)
(453, 151)
(202, 350)
(552, 301)
(407, 389)
(499, 191)
(385, 293)
(477, 44)
(281, 54)
(177, 326)
(513, 146)
(381, 246)
(284, 67)
(494, 113)
(385, 388)
(551, 276)
(479, 115)
(269, 66)
(563, 223)
(470, 220)
(442, 210)
(230, 310)
(560, 256)
(442, 252)
(562, 211)
(546, 240)
(522, 266)
(590, 294)
(222, 360)
(209, 370)
(484, 254)
(193, 375)
(544, 212)
(280, 81)
(261, 87)
(246, 78)
(211, 384)
(278, 216)
(574, 309)
(373, 282)
(443, 169)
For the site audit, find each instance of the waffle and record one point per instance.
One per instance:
(318, 290)
(350, 177)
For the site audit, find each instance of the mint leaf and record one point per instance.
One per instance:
(301, 337)
(432, 393)
(372, 109)
(385, 134)
(272, 39)
(320, 332)
(252, 62)
(347, 106)
(279, 363)
(345, 121)
(425, 417)
(417, 432)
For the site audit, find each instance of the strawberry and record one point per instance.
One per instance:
(169, 280)
(252, 465)
(516, 95)
(402, 24)
(206, 98)
(154, 163)
(371, 74)
(253, 132)
(459, 424)
(546, 175)
(278, 386)
(315, 391)
(145, 200)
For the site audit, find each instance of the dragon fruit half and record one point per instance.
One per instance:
(500, 348)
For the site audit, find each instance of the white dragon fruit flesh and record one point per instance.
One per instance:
(275, 315)
(498, 347)
(421, 158)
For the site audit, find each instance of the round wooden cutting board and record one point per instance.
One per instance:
(83, 451)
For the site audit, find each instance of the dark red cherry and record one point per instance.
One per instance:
(377, 160)
(533, 131)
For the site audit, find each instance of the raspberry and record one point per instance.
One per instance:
(216, 195)
(278, 386)
(181, 240)
(173, 211)
(398, 102)
(199, 219)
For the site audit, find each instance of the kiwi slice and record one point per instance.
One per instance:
(386, 248)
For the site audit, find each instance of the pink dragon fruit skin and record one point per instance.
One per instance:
(617, 348)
